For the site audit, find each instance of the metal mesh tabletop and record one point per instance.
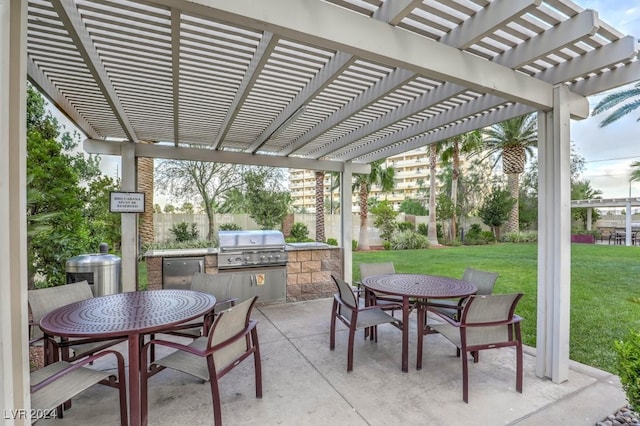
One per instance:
(124, 313)
(419, 286)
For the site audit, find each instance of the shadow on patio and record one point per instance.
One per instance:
(306, 383)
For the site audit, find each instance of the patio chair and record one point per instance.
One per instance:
(347, 309)
(232, 338)
(44, 300)
(60, 381)
(487, 322)
(219, 286)
(485, 281)
(386, 302)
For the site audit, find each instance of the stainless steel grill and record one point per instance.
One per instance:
(243, 249)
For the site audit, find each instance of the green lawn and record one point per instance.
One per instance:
(605, 289)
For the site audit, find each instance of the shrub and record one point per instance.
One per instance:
(169, 245)
(628, 364)
(182, 232)
(354, 245)
(406, 226)
(408, 240)
(386, 245)
(229, 227)
(300, 232)
(520, 237)
(475, 236)
(332, 242)
(423, 229)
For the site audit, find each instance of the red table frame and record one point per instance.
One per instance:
(419, 287)
(130, 315)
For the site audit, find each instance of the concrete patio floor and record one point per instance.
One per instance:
(307, 384)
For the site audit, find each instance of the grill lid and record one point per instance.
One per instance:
(239, 240)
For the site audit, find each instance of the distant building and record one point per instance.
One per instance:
(411, 176)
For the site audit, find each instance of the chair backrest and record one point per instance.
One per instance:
(44, 300)
(488, 318)
(369, 269)
(228, 324)
(345, 292)
(482, 279)
(218, 285)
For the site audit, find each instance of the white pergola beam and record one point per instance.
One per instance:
(376, 41)
(391, 81)
(486, 21)
(567, 32)
(175, 70)
(392, 12)
(72, 21)
(334, 67)
(102, 147)
(608, 80)
(44, 85)
(266, 45)
(469, 125)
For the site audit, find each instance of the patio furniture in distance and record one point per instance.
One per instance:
(487, 322)
(131, 314)
(60, 381)
(417, 287)
(384, 301)
(485, 281)
(232, 338)
(347, 309)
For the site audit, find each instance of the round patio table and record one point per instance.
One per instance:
(421, 287)
(131, 314)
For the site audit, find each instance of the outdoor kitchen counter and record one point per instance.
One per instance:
(309, 267)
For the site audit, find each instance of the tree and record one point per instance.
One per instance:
(234, 202)
(267, 204)
(614, 99)
(381, 176)
(412, 206)
(169, 208)
(105, 226)
(512, 141)
(187, 207)
(450, 152)
(495, 210)
(319, 205)
(385, 219)
(582, 190)
(210, 180)
(432, 230)
(56, 199)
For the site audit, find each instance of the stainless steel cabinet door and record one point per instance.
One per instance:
(268, 284)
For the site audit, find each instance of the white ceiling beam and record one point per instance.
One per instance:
(568, 32)
(412, 107)
(474, 123)
(392, 12)
(391, 81)
(45, 86)
(175, 70)
(170, 152)
(619, 51)
(334, 67)
(71, 19)
(486, 21)
(306, 21)
(608, 80)
(263, 51)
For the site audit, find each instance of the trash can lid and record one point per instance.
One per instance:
(93, 259)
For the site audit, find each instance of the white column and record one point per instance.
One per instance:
(129, 222)
(627, 218)
(14, 343)
(554, 248)
(346, 220)
(589, 217)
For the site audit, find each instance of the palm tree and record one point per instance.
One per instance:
(320, 205)
(383, 177)
(615, 99)
(432, 230)
(451, 150)
(512, 141)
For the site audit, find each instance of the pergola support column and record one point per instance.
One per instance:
(14, 359)
(346, 219)
(554, 248)
(129, 222)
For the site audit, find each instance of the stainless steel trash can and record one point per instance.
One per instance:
(101, 270)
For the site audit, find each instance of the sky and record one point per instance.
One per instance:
(608, 151)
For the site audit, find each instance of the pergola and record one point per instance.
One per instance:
(322, 85)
